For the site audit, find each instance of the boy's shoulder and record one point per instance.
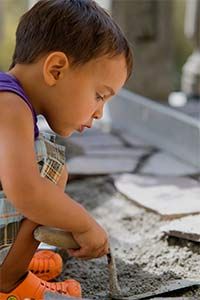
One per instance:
(11, 103)
(15, 114)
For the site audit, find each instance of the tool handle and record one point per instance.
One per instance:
(56, 237)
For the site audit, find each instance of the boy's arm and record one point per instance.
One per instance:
(35, 197)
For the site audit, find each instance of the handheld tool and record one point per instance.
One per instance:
(55, 237)
(65, 240)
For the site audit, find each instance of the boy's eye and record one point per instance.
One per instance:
(99, 97)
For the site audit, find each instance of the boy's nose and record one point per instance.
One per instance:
(98, 113)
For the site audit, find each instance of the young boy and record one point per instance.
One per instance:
(70, 58)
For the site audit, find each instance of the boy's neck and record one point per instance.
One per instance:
(30, 82)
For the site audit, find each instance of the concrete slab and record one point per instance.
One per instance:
(163, 164)
(133, 140)
(115, 152)
(168, 196)
(99, 140)
(163, 127)
(85, 165)
(187, 228)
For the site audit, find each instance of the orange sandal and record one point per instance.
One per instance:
(35, 288)
(46, 264)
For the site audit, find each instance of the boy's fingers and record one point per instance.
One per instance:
(83, 253)
(79, 253)
(102, 253)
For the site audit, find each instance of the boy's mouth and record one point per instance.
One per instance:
(82, 127)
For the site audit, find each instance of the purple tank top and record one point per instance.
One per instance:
(10, 84)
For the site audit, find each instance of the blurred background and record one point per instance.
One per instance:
(165, 37)
(155, 29)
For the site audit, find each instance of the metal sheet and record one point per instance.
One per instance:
(165, 289)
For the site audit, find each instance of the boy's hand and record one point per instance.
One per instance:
(93, 243)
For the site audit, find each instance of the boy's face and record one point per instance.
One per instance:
(79, 95)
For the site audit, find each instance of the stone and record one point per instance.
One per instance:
(168, 196)
(187, 228)
(85, 165)
(161, 163)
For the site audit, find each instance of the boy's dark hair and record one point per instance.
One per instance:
(79, 28)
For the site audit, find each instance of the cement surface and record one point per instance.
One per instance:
(145, 258)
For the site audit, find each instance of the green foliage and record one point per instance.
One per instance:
(11, 10)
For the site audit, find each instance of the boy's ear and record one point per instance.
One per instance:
(54, 67)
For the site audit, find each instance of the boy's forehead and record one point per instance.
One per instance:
(111, 68)
(115, 61)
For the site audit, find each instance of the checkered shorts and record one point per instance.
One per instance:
(51, 160)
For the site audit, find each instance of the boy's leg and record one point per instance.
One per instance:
(15, 266)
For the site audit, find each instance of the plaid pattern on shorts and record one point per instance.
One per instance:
(51, 160)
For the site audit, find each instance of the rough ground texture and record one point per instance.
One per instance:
(145, 258)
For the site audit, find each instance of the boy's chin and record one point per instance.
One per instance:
(66, 133)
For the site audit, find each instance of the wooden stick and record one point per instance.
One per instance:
(114, 288)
